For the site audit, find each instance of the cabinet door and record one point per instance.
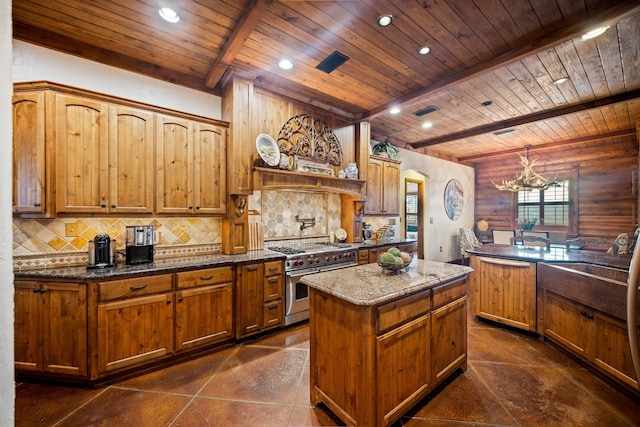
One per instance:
(51, 327)
(210, 190)
(134, 330)
(174, 145)
(449, 338)
(612, 350)
(567, 323)
(507, 292)
(203, 316)
(249, 299)
(390, 188)
(81, 155)
(131, 166)
(29, 153)
(374, 187)
(403, 367)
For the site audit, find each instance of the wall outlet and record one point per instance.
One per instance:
(440, 248)
(71, 229)
(431, 220)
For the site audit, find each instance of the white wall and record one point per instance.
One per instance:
(34, 63)
(443, 232)
(7, 385)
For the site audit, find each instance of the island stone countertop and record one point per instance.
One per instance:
(369, 284)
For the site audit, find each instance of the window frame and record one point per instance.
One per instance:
(571, 175)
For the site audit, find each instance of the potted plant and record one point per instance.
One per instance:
(526, 223)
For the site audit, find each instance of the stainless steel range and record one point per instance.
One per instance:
(309, 259)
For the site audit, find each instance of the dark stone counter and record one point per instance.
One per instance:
(554, 254)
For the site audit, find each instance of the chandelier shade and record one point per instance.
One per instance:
(527, 180)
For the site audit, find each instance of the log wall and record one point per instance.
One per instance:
(606, 200)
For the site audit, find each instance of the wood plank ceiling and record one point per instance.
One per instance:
(508, 52)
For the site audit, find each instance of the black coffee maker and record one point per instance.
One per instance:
(140, 241)
(102, 252)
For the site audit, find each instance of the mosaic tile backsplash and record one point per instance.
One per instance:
(43, 243)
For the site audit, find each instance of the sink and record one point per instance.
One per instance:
(599, 287)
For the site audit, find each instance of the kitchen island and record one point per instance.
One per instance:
(380, 341)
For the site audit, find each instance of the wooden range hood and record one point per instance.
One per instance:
(267, 179)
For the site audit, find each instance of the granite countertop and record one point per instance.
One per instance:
(159, 266)
(554, 254)
(369, 285)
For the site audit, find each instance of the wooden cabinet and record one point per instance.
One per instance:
(191, 167)
(204, 307)
(593, 336)
(260, 289)
(30, 154)
(135, 329)
(372, 374)
(104, 157)
(363, 256)
(50, 330)
(504, 291)
(383, 187)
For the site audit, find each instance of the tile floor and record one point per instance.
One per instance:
(513, 380)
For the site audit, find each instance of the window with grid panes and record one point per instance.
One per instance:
(550, 207)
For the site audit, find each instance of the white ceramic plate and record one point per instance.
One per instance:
(268, 149)
(341, 234)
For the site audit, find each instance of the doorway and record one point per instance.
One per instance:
(413, 215)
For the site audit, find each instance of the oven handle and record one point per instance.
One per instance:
(300, 273)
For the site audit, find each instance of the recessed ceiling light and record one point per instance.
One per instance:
(395, 110)
(169, 15)
(594, 33)
(285, 64)
(424, 50)
(561, 80)
(427, 125)
(385, 20)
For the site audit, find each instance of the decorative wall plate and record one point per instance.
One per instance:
(268, 149)
(341, 234)
(453, 199)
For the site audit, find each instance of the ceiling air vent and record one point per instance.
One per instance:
(503, 131)
(426, 110)
(332, 62)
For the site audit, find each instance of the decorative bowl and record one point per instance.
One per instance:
(395, 267)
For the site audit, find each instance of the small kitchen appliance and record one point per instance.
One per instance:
(102, 252)
(139, 244)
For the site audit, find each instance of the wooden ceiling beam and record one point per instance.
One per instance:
(617, 134)
(523, 120)
(607, 17)
(252, 16)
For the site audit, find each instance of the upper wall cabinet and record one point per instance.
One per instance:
(104, 157)
(190, 163)
(29, 154)
(383, 182)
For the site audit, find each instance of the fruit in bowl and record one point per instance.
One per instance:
(394, 259)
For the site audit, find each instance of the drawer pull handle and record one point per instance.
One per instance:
(252, 268)
(206, 277)
(273, 280)
(274, 268)
(137, 288)
(180, 299)
(272, 306)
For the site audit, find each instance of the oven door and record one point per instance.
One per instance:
(296, 293)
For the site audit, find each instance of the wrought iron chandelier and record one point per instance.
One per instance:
(527, 180)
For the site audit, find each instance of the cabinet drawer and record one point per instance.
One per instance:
(209, 276)
(273, 286)
(363, 257)
(272, 268)
(273, 314)
(134, 287)
(446, 293)
(400, 311)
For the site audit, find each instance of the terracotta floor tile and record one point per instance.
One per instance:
(43, 404)
(295, 336)
(259, 374)
(542, 396)
(184, 378)
(214, 412)
(309, 416)
(118, 407)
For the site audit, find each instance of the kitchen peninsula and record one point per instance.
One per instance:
(381, 341)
